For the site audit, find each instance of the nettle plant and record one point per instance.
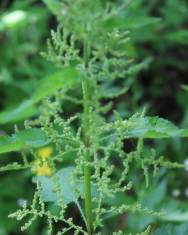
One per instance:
(75, 141)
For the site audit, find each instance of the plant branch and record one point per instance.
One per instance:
(86, 127)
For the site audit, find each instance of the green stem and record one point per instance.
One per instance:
(86, 127)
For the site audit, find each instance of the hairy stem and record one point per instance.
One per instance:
(86, 127)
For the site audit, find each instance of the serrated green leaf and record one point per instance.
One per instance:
(29, 138)
(61, 79)
(153, 128)
(70, 188)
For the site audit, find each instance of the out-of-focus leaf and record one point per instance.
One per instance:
(13, 19)
(175, 216)
(150, 198)
(153, 196)
(64, 78)
(54, 6)
(174, 211)
(180, 36)
(23, 111)
(185, 87)
(172, 229)
(124, 22)
(138, 67)
(29, 138)
(182, 98)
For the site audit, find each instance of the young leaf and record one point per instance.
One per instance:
(29, 138)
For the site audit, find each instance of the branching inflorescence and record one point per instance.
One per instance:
(78, 165)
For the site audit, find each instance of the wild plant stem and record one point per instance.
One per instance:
(86, 127)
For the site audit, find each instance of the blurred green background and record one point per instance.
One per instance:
(24, 27)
